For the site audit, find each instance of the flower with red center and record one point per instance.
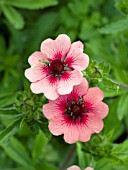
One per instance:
(77, 115)
(57, 68)
(74, 167)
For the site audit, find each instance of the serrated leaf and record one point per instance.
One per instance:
(9, 131)
(115, 27)
(17, 152)
(121, 150)
(31, 4)
(122, 108)
(13, 16)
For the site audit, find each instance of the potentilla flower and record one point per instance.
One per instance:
(74, 167)
(78, 114)
(57, 68)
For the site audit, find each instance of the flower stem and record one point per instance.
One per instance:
(69, 157)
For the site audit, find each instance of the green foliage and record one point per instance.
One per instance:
(14, 17)
(25, 140)
(115, 26)
(123, 6)
(30, 4)
(98, 75)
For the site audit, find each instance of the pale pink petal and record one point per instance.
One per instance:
(55, 107)
(94, 122)
(37, 58)
(88, 168)
(84, 133)
(68, 80)
(82, 88)
(74, 167)
(47, 85)
(71, 133)
(57, 125)
(77, 59)
(56, 48)
(94, 95)
(101, 109)
(36, 73)
(78, 45)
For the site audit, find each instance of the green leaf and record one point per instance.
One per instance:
(40, 165)
(39, 144)
(44, 127)
(9, 131)
(17, 152)
(31, 4)
(121, 150)
(13, 16)
(22, 168)
(122, 109)
(80, 154)
(121, 75)
(115, 27)
(98, 75)
(123, 6)
(7, 100)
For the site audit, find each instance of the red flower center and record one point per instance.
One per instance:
(56, 67)
(76, 110)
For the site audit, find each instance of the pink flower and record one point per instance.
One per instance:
(74, 167)
(57, 68)
(78, 114)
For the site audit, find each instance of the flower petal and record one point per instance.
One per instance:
(101, 109)
(56, 48)
(68, 80)
(71, 133)
(76, 58)
(94, 95)
(74, 167)
(88, 168)
(57, 125)
(84, 133)
(82, 88)
(55, 107)
(36, 73)
(47, 86)
(37, 58)
(78, 45)
(94, 122)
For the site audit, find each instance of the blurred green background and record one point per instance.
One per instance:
(102, 26)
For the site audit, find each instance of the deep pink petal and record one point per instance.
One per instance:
(48, 86)
(101, 109)
(84, 133)
(68, 80)
(37, 58)
(82, 88)
(74, 167)
(94, 122)
(55, 107)
(76, 58)
(94, 95)
(56, 48)
(71, 133)
(36, 73)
